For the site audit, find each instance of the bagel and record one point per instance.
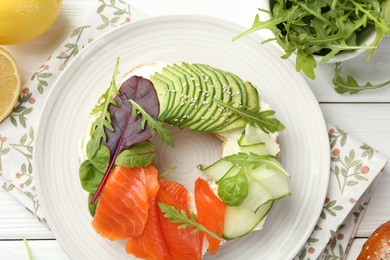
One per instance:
(377, 246)
(187, 94)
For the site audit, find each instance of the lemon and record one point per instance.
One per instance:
(24, 20)
(10, 83)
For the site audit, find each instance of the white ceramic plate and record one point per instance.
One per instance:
(171, 39)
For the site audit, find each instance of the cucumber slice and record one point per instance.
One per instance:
(257, 196)
(275, 182)
(254, 135)
(217, 170)
(240, 220)
(260, 149)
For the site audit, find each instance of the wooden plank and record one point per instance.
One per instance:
(40, 249)
(16, 222)
(371, 123)
(356, 247)
(50, 249)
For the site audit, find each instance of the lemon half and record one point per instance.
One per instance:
(10, 83)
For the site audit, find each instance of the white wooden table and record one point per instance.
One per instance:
(366, 116)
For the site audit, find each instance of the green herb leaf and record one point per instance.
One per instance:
(252, 116)
(350, 85)
(139, 155)
(28, 251)
(306, 63)
(90, 177)
(101, 110)
(233, 189)
(154, 124)
(180, 217)
(100, 158)
(92, 207)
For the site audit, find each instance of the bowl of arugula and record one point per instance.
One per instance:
(323, 31)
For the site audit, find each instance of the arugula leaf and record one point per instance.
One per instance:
(233, 189)
(139, 155)
(180, 217)
(306, 63)
(252, 116)
(350, 85)
(104, 118)
(252, 159)
(154, 124)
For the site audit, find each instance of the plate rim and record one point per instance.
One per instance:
(203, 18)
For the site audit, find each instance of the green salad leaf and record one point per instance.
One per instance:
(233, 190)
(180, 217)
(139, 155)
(253, 116)
(350, 85)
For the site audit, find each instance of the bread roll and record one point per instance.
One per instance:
(377, 247)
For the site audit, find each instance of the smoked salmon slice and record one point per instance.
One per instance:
(210, 212)
(151, 244)
(161, 239)
(122, 210)
(181, 244)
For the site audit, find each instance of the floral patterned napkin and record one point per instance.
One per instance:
(354, 167)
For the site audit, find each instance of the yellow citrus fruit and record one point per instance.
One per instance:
(10, 83)
(24, 20)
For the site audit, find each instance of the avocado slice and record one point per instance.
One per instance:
(221, 114)
(211, 115)
(188, 91)
(204, 102)
(239, 94)
(171, 93)
(194, 99)
(179, 81)
(252, 94)
(163, 96)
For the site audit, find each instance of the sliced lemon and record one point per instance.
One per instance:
(10, 83)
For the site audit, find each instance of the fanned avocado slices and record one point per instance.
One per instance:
(187, 92)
